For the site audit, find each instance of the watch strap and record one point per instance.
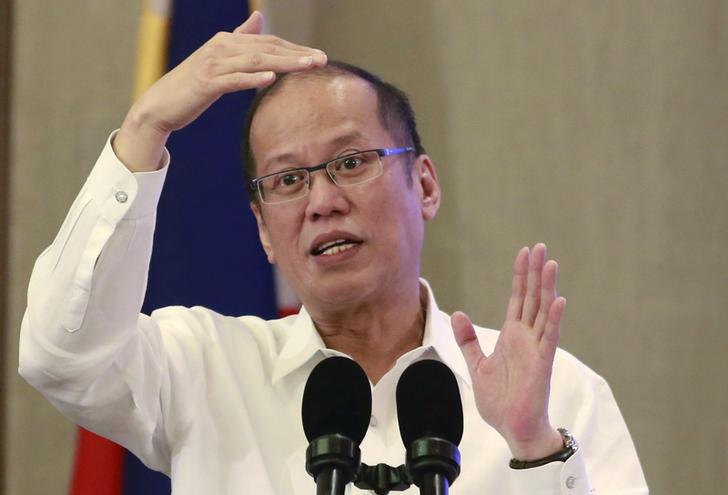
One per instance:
(569, 448)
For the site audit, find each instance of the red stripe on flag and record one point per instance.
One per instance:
(283, 312)
(97, 467)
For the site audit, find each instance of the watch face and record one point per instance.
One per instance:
(569, 440)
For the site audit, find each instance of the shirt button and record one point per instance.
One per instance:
(570, 482)
(372, 421)
(121, 196)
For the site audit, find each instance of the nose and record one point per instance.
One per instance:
(324, 197)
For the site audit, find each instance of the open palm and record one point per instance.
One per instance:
(512, 384)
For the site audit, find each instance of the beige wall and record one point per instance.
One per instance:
(598, 127)
(602, 129)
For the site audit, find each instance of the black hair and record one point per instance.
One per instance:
(394, 108)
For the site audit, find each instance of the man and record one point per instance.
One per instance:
(214, 401)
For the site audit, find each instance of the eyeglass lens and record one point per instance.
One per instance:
(346, 171)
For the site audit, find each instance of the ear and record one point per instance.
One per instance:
(263, 232)
(425, 177)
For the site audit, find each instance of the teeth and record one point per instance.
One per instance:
(326, 245)
(336, 249)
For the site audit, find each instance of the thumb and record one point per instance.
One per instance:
(252, 25)
(467, 340)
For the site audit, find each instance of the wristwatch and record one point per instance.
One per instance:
(570, 446)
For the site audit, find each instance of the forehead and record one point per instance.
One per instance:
(309, 117)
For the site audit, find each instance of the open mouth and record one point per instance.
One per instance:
(334, 247)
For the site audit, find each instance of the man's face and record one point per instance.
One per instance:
(377, 225)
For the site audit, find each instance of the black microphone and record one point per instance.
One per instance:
(430, 416)
(337, 405)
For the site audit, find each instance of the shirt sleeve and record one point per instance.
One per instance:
(606, 462)
(565, 478)
(86, 350)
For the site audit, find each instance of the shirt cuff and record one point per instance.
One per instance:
(564, 478)
(121, 193)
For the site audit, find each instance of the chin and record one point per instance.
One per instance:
(338, 289)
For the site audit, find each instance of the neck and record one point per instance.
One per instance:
(376, 335)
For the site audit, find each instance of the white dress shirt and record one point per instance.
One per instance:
(214, 401)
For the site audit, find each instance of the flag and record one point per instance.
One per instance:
(206, 249)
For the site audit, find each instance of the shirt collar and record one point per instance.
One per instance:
(304, 342)
(440, 338)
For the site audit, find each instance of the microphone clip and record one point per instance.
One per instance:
(431, 461)
(382, 478)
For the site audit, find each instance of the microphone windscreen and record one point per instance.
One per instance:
(337, 399)
(428, 403)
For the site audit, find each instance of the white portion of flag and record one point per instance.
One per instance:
(285, 297)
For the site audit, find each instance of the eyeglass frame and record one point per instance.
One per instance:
(254, 184)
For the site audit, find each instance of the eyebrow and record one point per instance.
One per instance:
(336, 142)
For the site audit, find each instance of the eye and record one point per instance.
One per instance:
(350, 163)
(286, 180)
(289, 180)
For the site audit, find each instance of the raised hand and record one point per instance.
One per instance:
(512, 385)
(228, 62)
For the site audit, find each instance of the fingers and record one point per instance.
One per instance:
(228, 54)
(254, 70)
(256, 61)
(533, 292)
(467, 340)
(230, 45)
(252, 25)
(273, 41)
(231, 62)
(533, 288)
(518, 285)
(552, 332)
(548, 294)
(238, 81)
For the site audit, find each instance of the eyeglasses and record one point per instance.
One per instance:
(347, 170)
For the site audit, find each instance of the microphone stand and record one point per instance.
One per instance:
(331, 482)
(333, 461)
(433, 464)
(434, 484)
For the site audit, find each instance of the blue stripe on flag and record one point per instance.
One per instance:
(206, 248)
